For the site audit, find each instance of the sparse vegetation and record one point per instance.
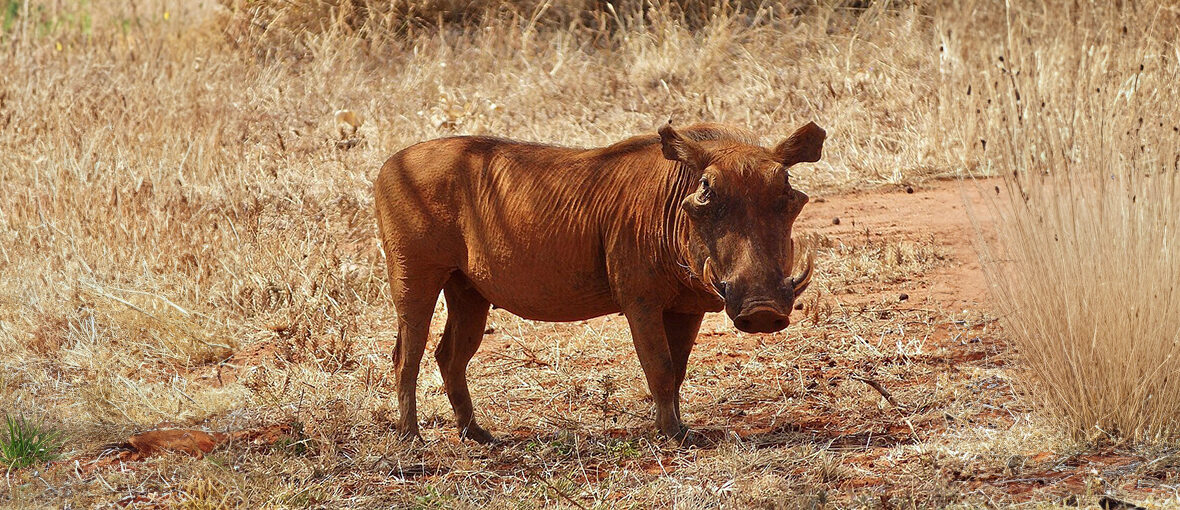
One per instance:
(1082, 125)
(27, 443)
(187, 240)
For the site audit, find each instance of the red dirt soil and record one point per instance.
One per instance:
(935, 210)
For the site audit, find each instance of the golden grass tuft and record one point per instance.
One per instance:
(1081, 123)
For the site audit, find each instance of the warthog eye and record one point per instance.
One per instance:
(706, 193)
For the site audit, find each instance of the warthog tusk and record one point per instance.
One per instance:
(711, 277)
(800, 283)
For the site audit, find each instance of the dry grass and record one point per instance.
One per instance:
(186, 238)
(1084, 265)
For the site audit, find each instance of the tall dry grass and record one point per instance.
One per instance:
(1080, 118)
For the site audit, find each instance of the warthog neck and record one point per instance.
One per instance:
(682, 243)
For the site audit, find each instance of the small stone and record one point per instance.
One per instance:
(909, 189)
(489, 331)
(835, 221)
(903, 297)
(798, 306)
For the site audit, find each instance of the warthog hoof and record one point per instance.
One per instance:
(478, 434)
(686, 438)
(409, 433)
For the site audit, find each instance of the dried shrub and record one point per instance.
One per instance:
(1081, 125)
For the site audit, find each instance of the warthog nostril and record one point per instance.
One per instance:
(761, 320)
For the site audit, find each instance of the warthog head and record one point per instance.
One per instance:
(741, 214)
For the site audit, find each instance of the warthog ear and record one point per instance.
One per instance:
(805, 145)
(678, 148)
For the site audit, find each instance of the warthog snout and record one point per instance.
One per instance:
(760, 309)
(764, 304)
(757, 308)
(762, 319)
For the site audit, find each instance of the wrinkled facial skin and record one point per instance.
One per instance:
(746, 229)
(742, 212)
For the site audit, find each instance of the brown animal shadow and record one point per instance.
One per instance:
(714, 437)
(805, 433)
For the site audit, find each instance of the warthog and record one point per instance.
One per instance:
(661, 228)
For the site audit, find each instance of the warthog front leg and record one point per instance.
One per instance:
(681, 330)
(655, 357)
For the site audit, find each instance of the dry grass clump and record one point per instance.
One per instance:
(1080, 119)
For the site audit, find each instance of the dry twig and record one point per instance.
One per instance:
(880, 389)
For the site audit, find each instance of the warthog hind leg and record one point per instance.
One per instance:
(467, 316)
(414, 299)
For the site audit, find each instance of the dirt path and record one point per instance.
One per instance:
(934, 210)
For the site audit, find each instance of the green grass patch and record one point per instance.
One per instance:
(28, 443)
